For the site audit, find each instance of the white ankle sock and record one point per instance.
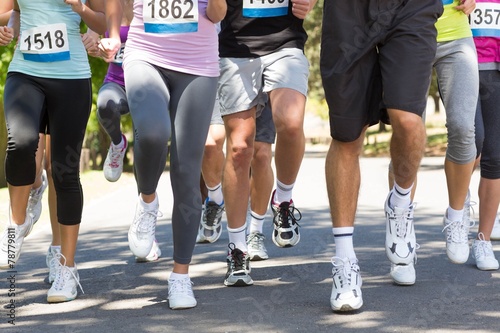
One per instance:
(344, 247)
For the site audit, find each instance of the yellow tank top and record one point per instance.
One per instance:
(453, 24)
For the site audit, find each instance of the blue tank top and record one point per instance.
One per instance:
(50, 44)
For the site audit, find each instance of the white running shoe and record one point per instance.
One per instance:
(256, 248)
(153, 255)
(64, 287)
(141, 234)
(457, 239)
(483, 254)
(51, 264)
(180, 294)
(495, 233)
(346, 290)
(113, 165)
(35, 199)
(400, 240)
(12, 241)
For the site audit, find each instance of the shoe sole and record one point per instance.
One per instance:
(347, 307)
(238, 283)
(182, 307)
(403, 283)
(59, 299)
(258, 258)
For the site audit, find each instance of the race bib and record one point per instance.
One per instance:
(118, 59)
(485, 20)
(265, 8)
(170, 16)
(46, 43)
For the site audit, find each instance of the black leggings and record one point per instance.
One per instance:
(488, 123)
(67, 104)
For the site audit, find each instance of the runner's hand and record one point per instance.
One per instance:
(91, 43)
(467, 6)
(108, 47)
(300, 8)
(76, 5)
(6, 35)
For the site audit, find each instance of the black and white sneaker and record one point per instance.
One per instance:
(238, 268)
(286, 229)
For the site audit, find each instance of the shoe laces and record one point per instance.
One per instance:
(116, 156)
(212, 214)
(180, 287)
(483, 247)
(458, 231)
(146, 221)
(402, 222)
(256, 240)
(64, 273)
(344, 270)
(286, 213)
(237, 258)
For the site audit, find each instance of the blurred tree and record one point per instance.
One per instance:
(312, 24)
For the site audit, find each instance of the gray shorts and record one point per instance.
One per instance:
(245, 82)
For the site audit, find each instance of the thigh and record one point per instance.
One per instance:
(68, 106)
(458, 79)
(192, 98)
(23, 108)
(148, 100)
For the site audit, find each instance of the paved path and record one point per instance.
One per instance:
(292, 289)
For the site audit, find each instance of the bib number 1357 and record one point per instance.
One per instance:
(45, 43)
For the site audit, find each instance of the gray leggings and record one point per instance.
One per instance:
(111, 105)
(458, 80)
(164, 105)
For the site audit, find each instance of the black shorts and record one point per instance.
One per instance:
(376, 55)
(265, 130)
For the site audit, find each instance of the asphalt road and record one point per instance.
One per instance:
(292, 289)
